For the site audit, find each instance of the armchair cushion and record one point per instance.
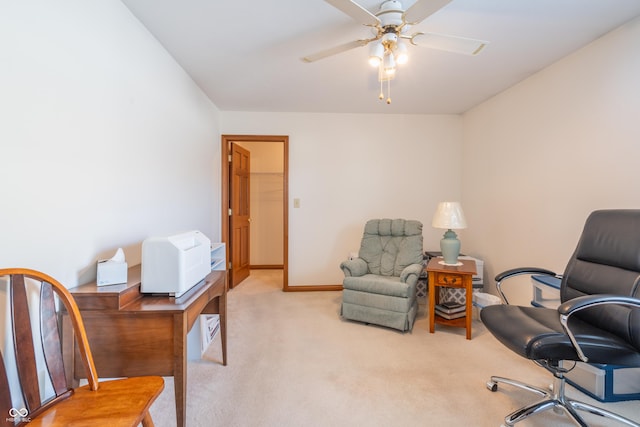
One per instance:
(388, 246)
(381, 285)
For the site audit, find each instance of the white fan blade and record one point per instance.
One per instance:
(449, 43)
(355, 11)
(335, 50)
(421, 9)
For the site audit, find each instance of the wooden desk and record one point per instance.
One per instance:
(453, 277)
(133, 334)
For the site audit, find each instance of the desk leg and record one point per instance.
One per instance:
(180, 366)
(222, 310)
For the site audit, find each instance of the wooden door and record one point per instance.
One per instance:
(225, 182)
(239, 217)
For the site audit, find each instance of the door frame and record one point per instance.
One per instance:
(224, 204)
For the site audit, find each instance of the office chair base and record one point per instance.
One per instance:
(554, 399)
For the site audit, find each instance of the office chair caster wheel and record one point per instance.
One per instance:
(492, 385)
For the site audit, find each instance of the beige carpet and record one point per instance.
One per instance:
(292, 361)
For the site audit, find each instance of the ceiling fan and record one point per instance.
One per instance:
(390, 26)
(392, 22)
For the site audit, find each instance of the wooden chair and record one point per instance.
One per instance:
(44, 396)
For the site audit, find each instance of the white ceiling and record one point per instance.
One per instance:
(245, 54)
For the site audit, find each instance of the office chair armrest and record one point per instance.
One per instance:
(523, 270)
(574, 305)
(508, 274)
(414, 270)
(354, 267)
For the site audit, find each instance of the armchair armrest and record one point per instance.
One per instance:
(354, 267)
(508, 274)
(568, 308)
(411, 273)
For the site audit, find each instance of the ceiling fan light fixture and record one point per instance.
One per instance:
(376, 52)
(401, 52)
(389, 64)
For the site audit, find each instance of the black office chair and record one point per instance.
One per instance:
(598, 320)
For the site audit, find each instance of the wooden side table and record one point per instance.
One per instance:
(458, 276)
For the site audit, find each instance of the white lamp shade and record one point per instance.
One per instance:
(401, 52)
(389, 64)
(449, 215)
(376, 52)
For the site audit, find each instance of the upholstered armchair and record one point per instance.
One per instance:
(380, 285)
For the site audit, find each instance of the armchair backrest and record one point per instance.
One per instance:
(607, 261)
(390, 245)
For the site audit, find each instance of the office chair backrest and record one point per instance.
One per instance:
(390, 245)
(607, 261)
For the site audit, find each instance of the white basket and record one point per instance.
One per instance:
(482, 300)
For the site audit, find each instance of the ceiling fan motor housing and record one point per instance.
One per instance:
(390, 14)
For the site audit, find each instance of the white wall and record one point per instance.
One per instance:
(348, 168)
(104, 139)
(541, 156)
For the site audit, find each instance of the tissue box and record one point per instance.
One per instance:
(111, 272)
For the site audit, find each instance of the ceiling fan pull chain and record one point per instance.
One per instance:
(389, 91)
(381, 96)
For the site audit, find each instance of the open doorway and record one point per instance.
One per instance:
(262, 178)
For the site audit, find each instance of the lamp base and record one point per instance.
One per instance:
(450, 247)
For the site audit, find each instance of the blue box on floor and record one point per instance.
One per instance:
(606, 383)
(546, 291)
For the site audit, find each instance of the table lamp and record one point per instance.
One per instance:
(448, 216)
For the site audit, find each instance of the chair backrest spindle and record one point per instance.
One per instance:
(23, 343)
(51, 339)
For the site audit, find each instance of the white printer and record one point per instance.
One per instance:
(174, 264)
